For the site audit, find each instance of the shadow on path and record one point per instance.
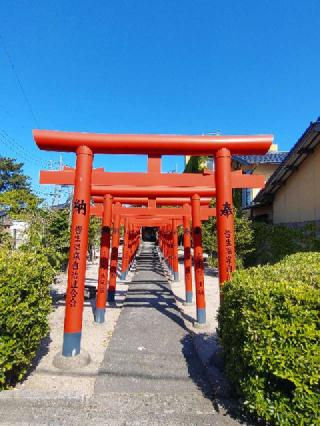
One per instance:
(152, 351)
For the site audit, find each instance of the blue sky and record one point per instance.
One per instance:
(155, 66)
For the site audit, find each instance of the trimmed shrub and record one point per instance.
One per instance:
(270, 335)
(25, 303)
(271, 243)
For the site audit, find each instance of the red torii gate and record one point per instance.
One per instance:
(98, 210)
(152, 192)
(85, 145)
(205, 212)
(99, 176)
(177, 216)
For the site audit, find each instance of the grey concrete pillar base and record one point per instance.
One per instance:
(123, 275)
(201, 316)
(71, 343)
(71, 362)
(189, 297)
(176, 276)
(99, 315)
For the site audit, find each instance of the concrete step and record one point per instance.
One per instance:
(112, 409)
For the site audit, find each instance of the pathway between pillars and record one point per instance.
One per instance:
(151, 372)
(150, 375)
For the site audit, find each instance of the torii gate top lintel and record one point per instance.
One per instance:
(51, 140)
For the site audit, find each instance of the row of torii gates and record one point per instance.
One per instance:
(165, 201)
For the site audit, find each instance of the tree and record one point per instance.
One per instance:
(5, 239)
(12, 176)
(93, 235)
(49, 234)
(196, 164)
(22, 202)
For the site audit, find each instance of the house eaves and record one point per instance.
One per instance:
(305, 146)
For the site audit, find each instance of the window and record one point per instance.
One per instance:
(246, 193)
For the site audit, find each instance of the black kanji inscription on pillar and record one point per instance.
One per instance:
(227, 233)
(80, 206)
(226, 210)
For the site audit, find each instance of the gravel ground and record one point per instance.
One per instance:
(44, 377)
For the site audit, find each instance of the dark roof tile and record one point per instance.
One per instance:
(269, 158)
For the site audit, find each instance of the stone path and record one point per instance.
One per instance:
(150, 374)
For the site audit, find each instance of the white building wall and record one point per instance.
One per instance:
(18, 231)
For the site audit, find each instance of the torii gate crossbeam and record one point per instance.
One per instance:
(51, 140)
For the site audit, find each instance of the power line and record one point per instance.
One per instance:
(24, 94)
(59, 191)
(18, 149)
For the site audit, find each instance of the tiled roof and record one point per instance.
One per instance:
(269, 158)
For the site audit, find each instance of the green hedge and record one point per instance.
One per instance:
(270, 335)
(271, 243)
(24, 307)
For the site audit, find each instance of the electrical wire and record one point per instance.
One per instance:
(20, 151)
(22, 89)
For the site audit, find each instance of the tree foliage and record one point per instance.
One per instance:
(5, 239)
(93, 235)
(49, 233)
(12, 176)
(196, 164)
(22, 203)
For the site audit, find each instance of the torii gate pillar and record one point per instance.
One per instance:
(78, 253)
(114, 257)
(175, 259)
(102, 289)
(225, 215)
(125, 250)
(198, 260)
(187, 259)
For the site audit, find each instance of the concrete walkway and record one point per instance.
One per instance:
(150, 367)
(150, 374)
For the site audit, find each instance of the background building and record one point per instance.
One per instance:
(264, 165)
(292, 193)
